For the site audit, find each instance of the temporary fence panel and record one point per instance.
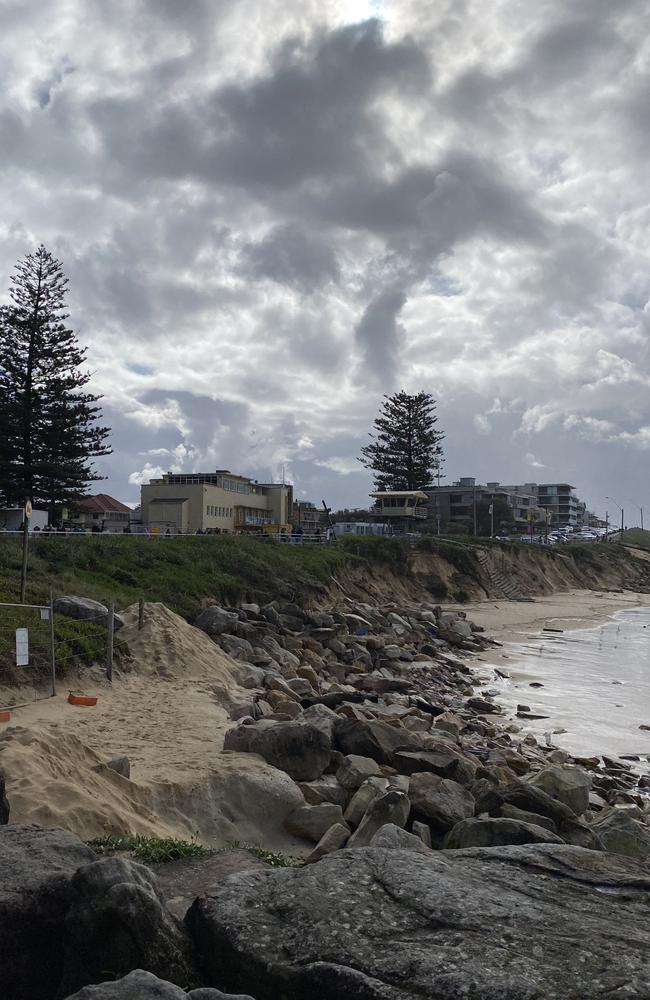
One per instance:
(81, 643)
(27, 651)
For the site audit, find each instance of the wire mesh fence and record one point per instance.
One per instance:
(27, 651)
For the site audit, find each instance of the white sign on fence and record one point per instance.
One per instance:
(22, 647)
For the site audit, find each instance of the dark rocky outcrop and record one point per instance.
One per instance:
(377, 740)
(35, 870)
(439, 802)
(140, 985)
(300, 749)
(509, 923)
(496, 833)
(117, 922)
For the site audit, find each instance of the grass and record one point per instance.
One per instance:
(639, 539)
(153, 849)
(275, 859)
(460, 556)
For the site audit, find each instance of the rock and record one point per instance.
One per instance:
(121, 765)
(371, 789)
(570, 785)
(354, 770)
(140, 985)
(248, 676)
(503, 923)
(621, 834)
(116, 922)
(377, 740)
(496, 833)
(35, 870)
(449, 722)
(298, 748)
(83, 609)
(322, 717)
(422, 831)
(312, 822)
(216, 620)
(323, 789)
(333, 840)
(439, 802)
(392, 807)
(482, 706)
(238, 648)
(445, 763)
(4, 801)
(512, 812)
(525, 796)
(396, 839)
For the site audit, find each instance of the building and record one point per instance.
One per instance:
(401, 510)
(184, 503)
(307, 516)
(99, 512)
(12, 519)
(457, 505)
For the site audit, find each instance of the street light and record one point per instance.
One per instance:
(621, 510)
(639, 509)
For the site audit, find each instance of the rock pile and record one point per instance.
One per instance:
(375, 714)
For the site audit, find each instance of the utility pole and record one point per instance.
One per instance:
(606, 525)
(27, 513)
(491, 510)
(474, 507)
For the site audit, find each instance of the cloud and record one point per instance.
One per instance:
(272, 214)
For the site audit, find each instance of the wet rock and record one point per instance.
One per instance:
(392, 807)
(482, 706)
(621, 834)
(355, 770)
(439, 802)
(497, 833)
(4, 801)
(312, 822)
(140, 985)
(570, 785)
(298, 748)
(333, 840)
(116, 922)
(320, 931)
(35, 870)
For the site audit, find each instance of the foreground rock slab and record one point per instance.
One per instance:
(504, 923)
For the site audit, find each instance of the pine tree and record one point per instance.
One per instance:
(405, 452)
(48, 430)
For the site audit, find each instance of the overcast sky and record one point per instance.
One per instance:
(274, 211)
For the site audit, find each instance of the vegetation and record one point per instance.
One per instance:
(275, 859)
(637, 538)
(406, 447)
(378, 549)
(462, 557)
(153, 849)
(49, 426)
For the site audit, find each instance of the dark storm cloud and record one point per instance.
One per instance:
(378, 334)
(292, 257)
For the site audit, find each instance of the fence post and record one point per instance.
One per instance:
(141, 614)
(52, 645)
(109, 642)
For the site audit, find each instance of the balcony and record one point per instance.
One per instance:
(386, 513)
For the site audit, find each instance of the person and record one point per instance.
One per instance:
(126, 530)
(96, 530)
(317, 536)
(168, 533)
(36, 528)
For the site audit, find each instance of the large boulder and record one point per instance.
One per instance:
(570, 785)
(298, 748)
(439, 802)
(83, 609)
(141, 985)
(497, 832)
(447, 763)
(510, 923)
(313, 822)
(216, 621)
(622, 834)
(396, 839)
(377, 740)
(530, 799)
(116, 922)
(35, 870)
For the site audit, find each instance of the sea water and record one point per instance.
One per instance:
(596, 685)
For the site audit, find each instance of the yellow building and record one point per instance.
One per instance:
(185, 503)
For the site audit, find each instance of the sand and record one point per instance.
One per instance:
(168, 714)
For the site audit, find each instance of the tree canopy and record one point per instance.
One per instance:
(405, 451)
(49, 433)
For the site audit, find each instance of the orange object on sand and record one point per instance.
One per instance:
(81, 699)
(5, 716)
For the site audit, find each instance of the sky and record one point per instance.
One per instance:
(273, 213)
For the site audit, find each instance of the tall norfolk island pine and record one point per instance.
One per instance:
(405, 452)
(48, 429)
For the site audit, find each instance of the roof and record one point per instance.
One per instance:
(419, 494)
(101, 503)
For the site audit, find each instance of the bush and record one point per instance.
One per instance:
(154, 849)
